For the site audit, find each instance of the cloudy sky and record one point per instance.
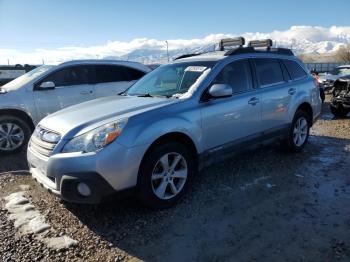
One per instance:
(33, 30)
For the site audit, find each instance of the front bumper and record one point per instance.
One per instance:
(111, 170)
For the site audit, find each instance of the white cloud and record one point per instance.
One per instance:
(302, 38)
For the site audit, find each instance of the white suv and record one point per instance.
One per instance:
(46, 89)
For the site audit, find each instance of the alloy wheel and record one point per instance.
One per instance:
(11, 136)
(169, 175)
(300, 131)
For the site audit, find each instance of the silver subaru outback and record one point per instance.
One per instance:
(154, 138)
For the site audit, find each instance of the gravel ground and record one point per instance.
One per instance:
(265, 205)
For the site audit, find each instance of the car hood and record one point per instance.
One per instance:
(81, 118)
(329, 77)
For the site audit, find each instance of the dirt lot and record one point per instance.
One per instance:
(266, 205)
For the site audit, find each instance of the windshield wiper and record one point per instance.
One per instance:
(144, 95)
(123, 93)
(155, 95)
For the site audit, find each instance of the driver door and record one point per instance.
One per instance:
(229, 121)
(72, 86)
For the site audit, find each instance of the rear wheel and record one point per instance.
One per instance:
(165, 175)
(339, 111)
(14, 134)
(299, 131)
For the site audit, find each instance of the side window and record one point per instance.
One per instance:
(75, 75)
(111, 73)
(294, 69)
(237, 75)
(134, 74)
(286, 75)
(268, 71)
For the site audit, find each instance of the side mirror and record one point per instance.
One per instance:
(220, 90)
(47, 85)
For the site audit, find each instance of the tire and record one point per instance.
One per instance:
(19, 132)
(339, 111)
(298, 136)
(154, 178)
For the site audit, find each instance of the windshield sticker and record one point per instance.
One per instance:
(195, 69)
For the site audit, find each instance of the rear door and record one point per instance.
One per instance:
(277, 90)
(227, 121)
(72, 86)
(114, 79)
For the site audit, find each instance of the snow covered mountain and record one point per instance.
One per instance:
(302, 39)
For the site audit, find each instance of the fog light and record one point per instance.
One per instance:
(83, 189)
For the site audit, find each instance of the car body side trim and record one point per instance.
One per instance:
(228, 150)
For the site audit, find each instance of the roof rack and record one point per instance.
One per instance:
(260, 46)
(246, 50)
(186, 55)
(254, 46)
(260, 43)
(226, 42)
(229, 42)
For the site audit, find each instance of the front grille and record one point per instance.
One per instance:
(39, 145)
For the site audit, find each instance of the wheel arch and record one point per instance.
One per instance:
(20, 114)
(172, 137)
(306, 107)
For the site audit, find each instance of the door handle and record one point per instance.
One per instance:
(85, 92)
(292, 91)
(253, 101)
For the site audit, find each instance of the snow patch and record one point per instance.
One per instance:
(24, 187)
(28, 220)
(255, 182)
(60, 242)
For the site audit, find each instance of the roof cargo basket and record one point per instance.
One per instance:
(260, 43)
(229, 42)
(260, 46)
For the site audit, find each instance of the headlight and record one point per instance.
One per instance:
(51, 137)
(46, 135)
(95, 139)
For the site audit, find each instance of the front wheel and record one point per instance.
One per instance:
(14, 134)
(298, 133)
(165, 175)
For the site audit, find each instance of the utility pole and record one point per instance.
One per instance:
(8, 61)
(167, 49)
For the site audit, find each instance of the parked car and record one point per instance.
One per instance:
(329, 78)
(9, 73)
(340, 101)
(46, 89)
(177, 119)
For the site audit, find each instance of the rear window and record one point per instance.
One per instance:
(108, 73)
(134, 74)
(268, 71)
(294, 69)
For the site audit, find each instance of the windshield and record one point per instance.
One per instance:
(171, 80)
(23, 79)
(341, 71)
